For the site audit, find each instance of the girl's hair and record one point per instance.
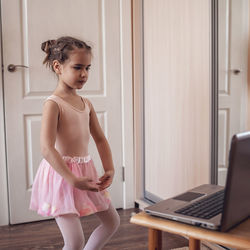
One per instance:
(60, 49)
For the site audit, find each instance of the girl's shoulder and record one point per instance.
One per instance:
(56, 99)
(62, 104)
(87, 102)
(50, 106)
(53, 100)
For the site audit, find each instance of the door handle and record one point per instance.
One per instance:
(13, 67)
(236, 71)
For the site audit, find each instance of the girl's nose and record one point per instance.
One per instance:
(83, 73)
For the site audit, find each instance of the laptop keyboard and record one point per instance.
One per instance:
(205, 208)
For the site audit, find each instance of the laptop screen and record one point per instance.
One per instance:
(237, 191)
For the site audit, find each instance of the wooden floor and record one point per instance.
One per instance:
(46, 235)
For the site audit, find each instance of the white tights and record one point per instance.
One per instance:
(71, 229)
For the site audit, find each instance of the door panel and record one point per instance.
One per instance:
(26, 24)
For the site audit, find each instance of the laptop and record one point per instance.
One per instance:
(212, 206)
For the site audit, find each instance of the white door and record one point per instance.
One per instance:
(233, 52)
(26, 24)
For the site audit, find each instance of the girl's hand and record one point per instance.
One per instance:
(85, 183)
(106, 180)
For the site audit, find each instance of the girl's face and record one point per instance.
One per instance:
(75, 70)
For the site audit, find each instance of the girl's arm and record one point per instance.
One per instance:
(47, 143)
(103, 149)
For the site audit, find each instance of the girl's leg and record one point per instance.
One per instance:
(110, 222)
(71, 229)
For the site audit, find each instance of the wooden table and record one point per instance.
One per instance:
(238, 237)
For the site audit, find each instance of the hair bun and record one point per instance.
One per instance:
(47, 45)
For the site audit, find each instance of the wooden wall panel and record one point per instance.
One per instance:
(177, 101)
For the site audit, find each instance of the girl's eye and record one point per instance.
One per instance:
(77, 68)
(88, 68)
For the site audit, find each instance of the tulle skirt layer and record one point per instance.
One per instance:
(54, 196)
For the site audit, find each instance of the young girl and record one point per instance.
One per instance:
(66, 185)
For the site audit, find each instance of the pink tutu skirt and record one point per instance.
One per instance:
(53, 196)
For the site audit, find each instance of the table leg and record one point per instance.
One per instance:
(194, 244)
(154, 239)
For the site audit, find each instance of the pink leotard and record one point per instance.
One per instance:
(73, 132)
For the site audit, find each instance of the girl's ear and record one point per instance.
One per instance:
(57, 67)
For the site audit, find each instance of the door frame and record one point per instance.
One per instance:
(4, 210)
(127, 117)
(214, 94)
(248, 74)
(137, 40)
